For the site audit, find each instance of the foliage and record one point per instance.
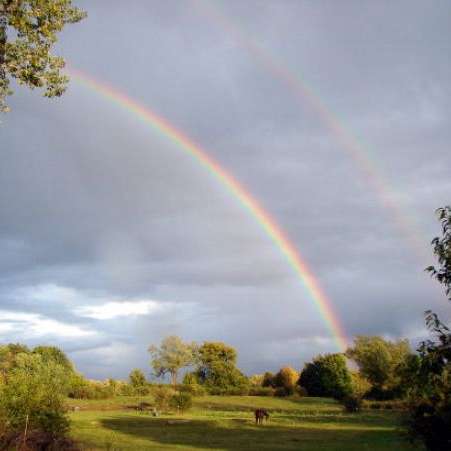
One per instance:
(268, 380)
(261, 391)
(162, 396)
(54, 354)
(28, 30)
(82, 388)
(217, 369)
(442, 250)
(8, 356)
(360, 385)
(34, 396)
(327, 375)
(352, 403)
(181, 401)
(286, 378)
(192, 389)
(138, 382)
(172, 355)
(256, 380)
(380, 362)
(430, 374)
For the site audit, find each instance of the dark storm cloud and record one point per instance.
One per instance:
(100, 212)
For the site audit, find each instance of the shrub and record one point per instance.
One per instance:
(34, 395)
(281, 392)
(193, 389)
(268, 380)
(352, 403)
(181, 401)
(138, 382)
(162, 396)
(261, 391)
(301, 391)
(327, 375)
(287, 378)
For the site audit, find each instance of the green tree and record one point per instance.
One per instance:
(8, 357)
(268, 380)
(34, 396)
(138, 382)
(327, 375)
(429, 375)
(171, 356)
(54, 354)
(380, 361)
(287, 379)
(28, 31)
(217, 367)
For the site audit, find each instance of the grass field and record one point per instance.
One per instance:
(226, 423)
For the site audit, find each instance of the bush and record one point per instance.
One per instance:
(286, 378)
(281, 392)
(301, 391)
(181, 401)
(34, 396)
(193, 389)
(81, 388)
(162, 396)
(327, 375)
(261, 391)
(352, 403)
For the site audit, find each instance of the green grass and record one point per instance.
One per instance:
(227, 423)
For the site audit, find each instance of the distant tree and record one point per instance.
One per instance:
(268, 380)
(256, 380)
(28, 30)
(360, 385)
(138, 382)
(171, 356)
(287, 378)
(429, 375)
(327, 375)
(380, 361)
(217, 367)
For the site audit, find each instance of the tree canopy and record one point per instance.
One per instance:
(327, 375)
(380, 360)
(28, 31)
(171, 356)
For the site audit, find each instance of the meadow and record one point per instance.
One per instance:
(227, 423)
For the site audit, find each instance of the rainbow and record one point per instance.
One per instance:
(360, 154)
(247, 201)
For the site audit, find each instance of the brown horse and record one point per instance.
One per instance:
(260, 415)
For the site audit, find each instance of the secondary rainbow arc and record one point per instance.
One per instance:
(262, 217)
(348, 141)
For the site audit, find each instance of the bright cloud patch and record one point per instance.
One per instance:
(112, 310)
(35, 325)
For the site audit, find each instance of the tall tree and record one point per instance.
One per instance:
(171, 356)
(430, 374)
(28, 31)
(217, 367)
(327, 375)
(380, 360)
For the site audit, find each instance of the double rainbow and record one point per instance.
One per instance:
(247, 201)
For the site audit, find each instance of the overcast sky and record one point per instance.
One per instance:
(111, 237)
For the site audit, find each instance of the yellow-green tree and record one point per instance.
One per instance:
(28, 31)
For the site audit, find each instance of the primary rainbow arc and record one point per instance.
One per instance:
(263, 218)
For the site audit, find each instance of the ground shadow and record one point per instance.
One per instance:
(239, 434)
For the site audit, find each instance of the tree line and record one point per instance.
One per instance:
(35, 383)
